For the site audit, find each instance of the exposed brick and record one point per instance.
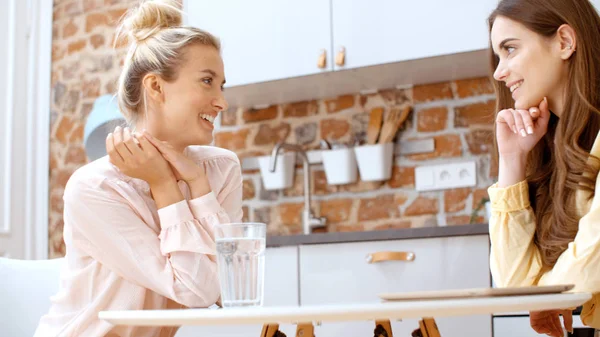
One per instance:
(270, 135)
(246, 214)
(400, 199)
(297, 188)
(115, 15)
(91, 88)
(381, 207)
(62, 177)
(53, 162)
(350, 228)
(97, 40)
(455, 200)
(336, 210)
(76, 46)
(306, 133)
(64, 128)
(446, 146)
(300, 109)
(339, 103)
(76, 156)
(263, 215)
(95, 20)
(474, 87)
(432, 92)
(57, 14)
(69, 29)
(334, 128)
(402, 177)
(248, 190)
(393, 225)
(479, 195)
(475, 114)
(90, 5)
(457, 220)
(321, 185)
(229, 117)
(288, 217)
(432, 119)
(73, 8)
(58, 53)
(361, 186)
(480, 141)
(232, 140)
(396, 97)
(422, 206)
(253, 115)
(267, 195)
(56, 203)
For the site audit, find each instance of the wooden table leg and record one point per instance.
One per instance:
(271, 330)
(383, 328)
(305, 330)
(427, 328)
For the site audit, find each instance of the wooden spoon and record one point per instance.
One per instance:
(375, 119)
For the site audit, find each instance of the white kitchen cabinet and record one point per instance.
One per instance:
(265, 40)
(339, 273)
(281, 289)
(392, 31)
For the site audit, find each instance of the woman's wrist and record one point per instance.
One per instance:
(166, 192)
(511, 169)
(199, 186)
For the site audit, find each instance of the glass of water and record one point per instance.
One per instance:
(241, 263)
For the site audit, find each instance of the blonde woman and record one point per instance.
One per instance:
(138, 223)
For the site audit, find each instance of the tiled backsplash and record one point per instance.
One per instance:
(457, 115)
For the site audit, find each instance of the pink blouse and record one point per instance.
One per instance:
(122, 253)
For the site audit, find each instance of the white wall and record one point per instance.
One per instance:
(25, 56)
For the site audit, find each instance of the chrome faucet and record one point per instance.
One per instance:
(309, 220)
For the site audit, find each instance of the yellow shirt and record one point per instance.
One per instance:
(516, 261)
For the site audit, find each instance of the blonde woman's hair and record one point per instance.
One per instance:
(156, 44)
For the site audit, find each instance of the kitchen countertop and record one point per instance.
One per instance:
(392, 234)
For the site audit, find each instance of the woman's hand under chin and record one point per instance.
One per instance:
(519, 130)
(183, 167)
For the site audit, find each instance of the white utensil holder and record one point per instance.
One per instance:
(375, 161)
(340, 166)
(283, 177)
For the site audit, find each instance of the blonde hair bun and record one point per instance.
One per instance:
(149, 17)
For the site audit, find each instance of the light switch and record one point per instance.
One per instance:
(446, 176)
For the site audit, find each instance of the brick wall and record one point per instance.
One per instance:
(84, 66)
(457, 115)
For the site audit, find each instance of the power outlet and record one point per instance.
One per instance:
(446, 176)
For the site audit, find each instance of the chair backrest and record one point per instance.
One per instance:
(25, 290)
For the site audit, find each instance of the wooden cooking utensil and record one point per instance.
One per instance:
(392, 123)
(375, 119)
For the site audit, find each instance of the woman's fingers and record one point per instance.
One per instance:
(519, 125)
(131, 143)
(120, 145)
(506, 116)
(527, 121)
(112, 152)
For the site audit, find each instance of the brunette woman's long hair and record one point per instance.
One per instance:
(560, 163)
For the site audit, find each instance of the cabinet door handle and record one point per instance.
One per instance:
(340, 58)
(390, 256)
(322, 61)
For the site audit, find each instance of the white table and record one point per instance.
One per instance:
(380, 312)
